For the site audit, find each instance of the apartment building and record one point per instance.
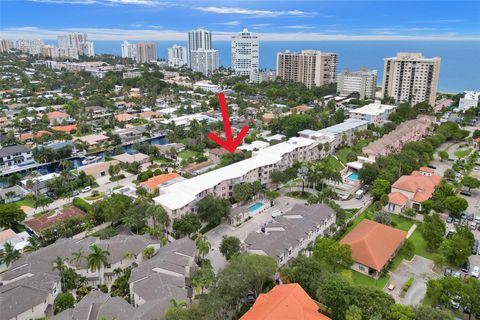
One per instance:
(177, 56)
(362, 82)
(146, 52)
(375, 113)
(76, 42)
(292, 232)
(198, 39)
(4, 45)
(129, 50)
(204, 61)
(408, 131)
(310, 67)
(245, 53)
(410, 77)
(181, 198)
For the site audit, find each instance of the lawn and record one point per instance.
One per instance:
(400, 222)
(187, 154)
(462, 153)
(361, 279)
(27, 202)
(334, 163)
(342, 154)
(95, 197)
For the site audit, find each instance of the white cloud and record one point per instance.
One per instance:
(230, 23)
(150, 3)
(255, 13)
(155, 34)
(304, 27)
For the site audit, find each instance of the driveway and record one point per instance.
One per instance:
(215, 235)
(420, 269)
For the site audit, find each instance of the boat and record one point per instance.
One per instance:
(91, 159)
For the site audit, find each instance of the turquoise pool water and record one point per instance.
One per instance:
(254, 207)
(354, 176)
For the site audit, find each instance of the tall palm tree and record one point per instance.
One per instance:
(33, 244)
(159, 216)
(174, 311)
(77, 256)
(59, 265)
(97, 260)
(203, 246)
(9, 254)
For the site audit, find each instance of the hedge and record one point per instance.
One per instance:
(406, 286)
(82, 204)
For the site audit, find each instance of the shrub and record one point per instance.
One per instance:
(82, 204)
(148, 252)
(406, 286)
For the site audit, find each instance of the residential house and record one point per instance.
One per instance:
(198, 167)
(28, 137)
(291, 233)
(215, 155)
(373, 245)
(410, 191)
(130, 158)
(96, 111)
(93, 140)
(12, 194)
(98, 169)
(284, 301)
(408, 131)
(17, 240)
(124, 117)
(38, 184)
(59, 118)
(162, 180)
(66, 129)
(301, 109)
(170, 149)
(375, 113)
(149, 115)
(43, 222)
(128, 134)
(15, 155)
(336, 135)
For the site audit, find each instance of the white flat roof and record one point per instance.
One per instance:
(184, 192)
(373, 109)
(254, 145)
(348, 124)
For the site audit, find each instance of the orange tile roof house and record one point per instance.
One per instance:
(301, 109)
(124, 117)
(285, 301)
(57, 117)
(373, 246)
(410, 191)
(26, 137)
(154, 182)
(67, 128)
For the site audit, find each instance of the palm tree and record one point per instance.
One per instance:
(174, 311)
(59, 265)
(97, 260)
(77, 256)
(65, 165)
(203, 246)
(33, 244)
(9, 254)
(159, 216)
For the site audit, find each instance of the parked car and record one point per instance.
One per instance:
(86, 189)
(470, 217)
(476, 272)
(277, 213)
(466, 266)
(431, 167)
(75, 193)
(457, 274)
(455, 304)
(449, 219)
(473, 225)
(465, 192)
(447, 272)
(456, 221)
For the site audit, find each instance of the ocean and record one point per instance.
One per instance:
(459, 69)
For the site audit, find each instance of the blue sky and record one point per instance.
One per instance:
(273, 19)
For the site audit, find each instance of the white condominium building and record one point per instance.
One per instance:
(177, 56)
(310, 67)
(180, 198)
(146, 52)
(198, 39)
(411, 78)
(31, 46)
(204, 61)
(129, 50)
(245, 53)
(363, 82)
(469, 100)
(76, 42)
(4, 45)
(375, 113)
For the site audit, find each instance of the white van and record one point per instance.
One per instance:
(359, 194)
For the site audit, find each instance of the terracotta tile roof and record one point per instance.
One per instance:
(426, 169)
(192, 167)
(123, 117)
(149, 114)
(96, 168)
(302, 108)
(422, 186)
(7, 234)
(57, 114)
(68, 128)
(373, 244)
(397, 198)
(286, 301)
(221, 151)
(153, 182)
(45, 222)
(27, 136)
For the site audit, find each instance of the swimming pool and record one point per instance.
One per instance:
(354, 176)
(254, 207)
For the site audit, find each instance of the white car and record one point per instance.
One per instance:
(476, 272)
(277, 213)
(86, 189)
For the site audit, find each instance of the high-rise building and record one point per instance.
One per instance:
(245, 53)
(204, 61)
(4, 45)
(76, 42)
(50, 51)
(363, 82)
(177, 56)
(410, 77)
(31, 46)
(129, 50)
(310, 67)
(146, 52)
(199, 39)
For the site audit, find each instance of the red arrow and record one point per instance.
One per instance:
(229, 144)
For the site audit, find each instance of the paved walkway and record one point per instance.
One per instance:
(411, 230)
